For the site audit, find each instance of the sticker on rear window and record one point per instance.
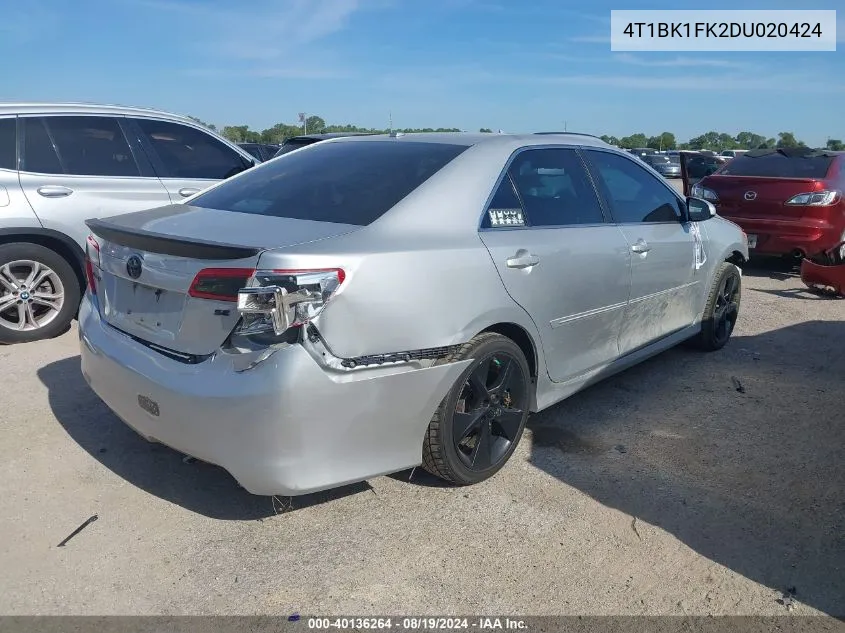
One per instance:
(506, 217)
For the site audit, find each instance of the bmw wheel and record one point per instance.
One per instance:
(39, 293)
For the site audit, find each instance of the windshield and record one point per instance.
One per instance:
(352, 182)
(779, 165)
(657, 158)
(674, 158)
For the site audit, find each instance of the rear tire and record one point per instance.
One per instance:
(479, 423)
(39, 293)
(722, 309)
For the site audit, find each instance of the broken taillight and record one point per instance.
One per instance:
(275, 301)
(219, 284)
(92, 259)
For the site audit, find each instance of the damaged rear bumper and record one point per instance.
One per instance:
(820, 276)
(286, 426)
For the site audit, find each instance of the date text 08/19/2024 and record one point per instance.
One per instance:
(730, 30)
(417, 623)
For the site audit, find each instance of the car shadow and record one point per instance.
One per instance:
(194, 485)
(738, 454)
(779, 268)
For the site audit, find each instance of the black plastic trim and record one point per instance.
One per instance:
(169, 245)
(188, 359)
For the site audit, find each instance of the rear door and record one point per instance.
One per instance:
(186, 158)
(77, 167)
(665, 280)
(559, 258)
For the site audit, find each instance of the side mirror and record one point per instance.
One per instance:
(699, 210)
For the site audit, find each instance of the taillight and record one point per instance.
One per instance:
(92, 258)
(220, 284)
(278, 300)
(815, 199)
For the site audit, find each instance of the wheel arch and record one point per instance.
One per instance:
(735, 257)
(54, 240)
(525, 342)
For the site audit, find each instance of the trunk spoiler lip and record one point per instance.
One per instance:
(169, 244)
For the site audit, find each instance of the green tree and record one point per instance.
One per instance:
(787, 139)
(485, 130)
(749, 140)
(315, 124)
(611, 140)
(635, 140)
(241, 134)
(835, 144)
(663, 141)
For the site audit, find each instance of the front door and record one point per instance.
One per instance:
(666, 254)
(186, 159)
(559, 258)
(73, 168)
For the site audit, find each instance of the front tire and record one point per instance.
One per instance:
(39, 293)
(478, 424)
(722, 309)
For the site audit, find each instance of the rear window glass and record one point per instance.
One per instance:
(779, 166)
(345, 182)
(289, 146)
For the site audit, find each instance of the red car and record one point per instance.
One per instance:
(788, 201)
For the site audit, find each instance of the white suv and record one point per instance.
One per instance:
(61, 164)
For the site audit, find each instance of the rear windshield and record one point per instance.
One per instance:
(351, 182)
(289, 146)
(658, 158)
(779, 166)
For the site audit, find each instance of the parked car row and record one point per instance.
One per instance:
(270, 323)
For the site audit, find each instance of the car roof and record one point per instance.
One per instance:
(327, 135)
(10, 108)
(482, 138)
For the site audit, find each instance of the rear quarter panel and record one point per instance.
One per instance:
(420, 276)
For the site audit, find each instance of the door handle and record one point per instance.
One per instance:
(640, 246)
(54, 191)
(523, 261)
(188, 191)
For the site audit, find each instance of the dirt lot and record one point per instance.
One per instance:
(663, 490)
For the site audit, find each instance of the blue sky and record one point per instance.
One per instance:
(505, 64)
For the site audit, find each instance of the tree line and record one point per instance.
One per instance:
(716, 141)
(313, 125)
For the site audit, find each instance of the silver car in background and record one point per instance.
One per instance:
(369, 304)
(61, 164)
(668, 166)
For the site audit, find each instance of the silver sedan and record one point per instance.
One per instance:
(369, 304)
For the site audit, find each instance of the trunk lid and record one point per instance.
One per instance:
(148, 262)
(759, 197)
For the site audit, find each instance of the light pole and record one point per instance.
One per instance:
(303, 118)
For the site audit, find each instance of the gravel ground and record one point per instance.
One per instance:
(664, 490)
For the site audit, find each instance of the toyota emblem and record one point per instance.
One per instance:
(750, 195)
(133, 267)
